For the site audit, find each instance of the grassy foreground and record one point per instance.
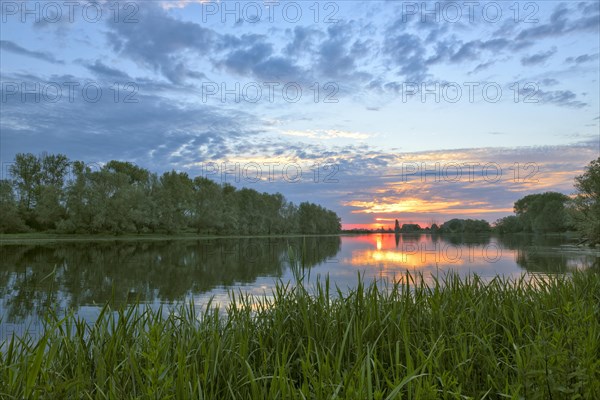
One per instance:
(459, 339)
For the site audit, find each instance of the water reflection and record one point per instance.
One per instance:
(390, 256)
(82, 276)
(72, 274)
(415, 251)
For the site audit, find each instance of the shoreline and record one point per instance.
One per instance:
(40, 237)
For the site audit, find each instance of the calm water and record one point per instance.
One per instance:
(82, 276)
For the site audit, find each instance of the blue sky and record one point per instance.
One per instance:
(421, 111)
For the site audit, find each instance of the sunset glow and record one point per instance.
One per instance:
(391, 256)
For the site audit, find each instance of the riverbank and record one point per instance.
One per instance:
(43, 237)
(536, 338)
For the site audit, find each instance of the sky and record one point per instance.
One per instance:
(379, 110)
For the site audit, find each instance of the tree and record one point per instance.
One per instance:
(457, 225)
(11, 221)
(109, 202)
(397, 227)
(121, 197)
(584, 208)
(79, 215)
(49, 210)
(54, 169)
(544, 212)
(411, 228)
(291, 222)
(174, 200)
(136, 175)
(314, 219)
(509, 224)
(26, 173)
(207, 205)
(39, 182)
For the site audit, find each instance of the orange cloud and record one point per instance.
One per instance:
(416, 205)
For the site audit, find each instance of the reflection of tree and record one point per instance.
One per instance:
(457, 239)
(480, 239)
(79, 273)
(514, 242)
(535, 253)
(535, 260)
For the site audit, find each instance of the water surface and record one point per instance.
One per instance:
(82, 276)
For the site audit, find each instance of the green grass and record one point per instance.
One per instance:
(457, 339)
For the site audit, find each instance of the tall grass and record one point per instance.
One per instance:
(455, 339)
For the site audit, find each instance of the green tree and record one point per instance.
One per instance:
(50, 210)
(11, 221)
(509, 224)
(457, 225)
(584, 209)
(79, 214)
(39, 182)
(544, 212)
(230, 214)
(26, 172)
(207, 206)
(121, 197)
(108, 199)
(54, 169)
(174, 198)
(314, 219)
(135, 174)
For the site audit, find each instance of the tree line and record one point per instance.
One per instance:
(51, 193)
(455, 225)
(556, 212)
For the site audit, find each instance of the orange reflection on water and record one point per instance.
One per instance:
(418, 251)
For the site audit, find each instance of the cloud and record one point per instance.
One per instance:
(169, 128)
(327, 134)
(407, 52)
(102, 70)
(338, 54)
(563, 98)
(584, 58)
(7, 45)
(257, 62)
(560, 24)
(303, 41)
(482, 66)
(160, 41)
(429, 185)
(243, 61)
(472, 50)
(549, 82)
(154, 131)
(556, 26)
(538, 58)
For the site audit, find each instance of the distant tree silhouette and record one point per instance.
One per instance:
(408, 228)
(457, 225)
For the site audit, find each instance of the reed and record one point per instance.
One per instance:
(458, 338)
